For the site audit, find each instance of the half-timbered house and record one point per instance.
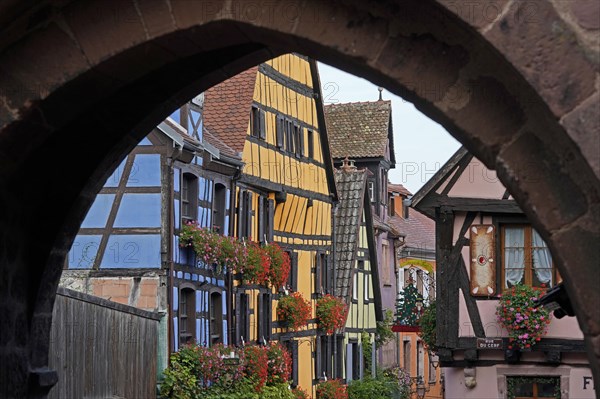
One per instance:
(356, 278)
(484, 246)
(363, 132)
(127, 249)
(272, 115)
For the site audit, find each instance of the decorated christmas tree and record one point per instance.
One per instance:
(407, 311)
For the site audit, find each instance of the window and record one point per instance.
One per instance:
(323, 280)
(292, 282)
(407, 356)
(355, 286)
(189, 196)
(216, 318)
(264, 324)
(367, 283)
(187, 319)
(292, 347)
(289, 136)
(242, 314)
(324, 355)
(420, 359)
(385, 263)
(371, 191)
(219, 208)
(266, 210)
(391, 206)
(280, 131)
(526, 258)
(533, 387)
(310, 144)
(257, 123)
(299, 140)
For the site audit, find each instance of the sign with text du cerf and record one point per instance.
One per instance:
(489, 343)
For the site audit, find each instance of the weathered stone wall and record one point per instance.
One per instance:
(81, 81)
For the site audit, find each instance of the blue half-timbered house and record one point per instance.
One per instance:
(127, 249)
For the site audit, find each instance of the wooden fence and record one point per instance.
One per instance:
(102, 349)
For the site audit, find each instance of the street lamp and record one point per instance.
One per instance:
(434, 359)
(420, 388)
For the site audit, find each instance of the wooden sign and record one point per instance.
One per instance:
(489, 343)
(483, 260)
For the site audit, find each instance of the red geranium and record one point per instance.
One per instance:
(280, 264)
(295, 310)
(331, 313)
(332, 389)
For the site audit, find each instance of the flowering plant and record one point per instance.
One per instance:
(232, 254)
(257, 365)
(209, 364)
(279, 365)
(299, 393)
(295, 310)
(332, 389)
(258, 263)
(331, 313)
(280, 264)
(525, 323)
(204, 241)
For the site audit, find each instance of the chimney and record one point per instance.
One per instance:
(348, 165)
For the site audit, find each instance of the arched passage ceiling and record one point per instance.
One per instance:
(81, 82)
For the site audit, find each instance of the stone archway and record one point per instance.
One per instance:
(81, 82)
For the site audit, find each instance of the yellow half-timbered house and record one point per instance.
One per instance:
(272, 116)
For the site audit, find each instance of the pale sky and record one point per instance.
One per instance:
(421, 145)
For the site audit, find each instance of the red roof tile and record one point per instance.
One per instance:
(418, 229)
(227, 108)
(398, 188)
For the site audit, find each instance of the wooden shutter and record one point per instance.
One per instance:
(279, 131)
(361, 362)
(349, 364)
(270, 219)
(269, 315)
(294, 271)
(240, 213)
(320, 286)
(318, 359)
(238, 324)
(262, 126)
(261, 219)
(260, 328)
(295, 363)
(248, 213)
(301, 151)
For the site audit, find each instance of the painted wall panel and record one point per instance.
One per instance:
(98, 213)
(83, 251)
(139, 210)
(145, 171)
(132, 251)
(176, 177)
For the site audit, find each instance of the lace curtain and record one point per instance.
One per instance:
(514, 255)
(542, 260)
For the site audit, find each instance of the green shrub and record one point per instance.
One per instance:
(179, 383)
(369, 388)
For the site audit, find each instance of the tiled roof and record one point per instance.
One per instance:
(219, 144)
(398, 188)
(359, 130)
(419, 230)
(227, 108)
(351, 191)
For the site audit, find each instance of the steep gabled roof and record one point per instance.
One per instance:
(360, 130)
(227, 108)
(436, 180)
(353, 203)
(351, 190)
